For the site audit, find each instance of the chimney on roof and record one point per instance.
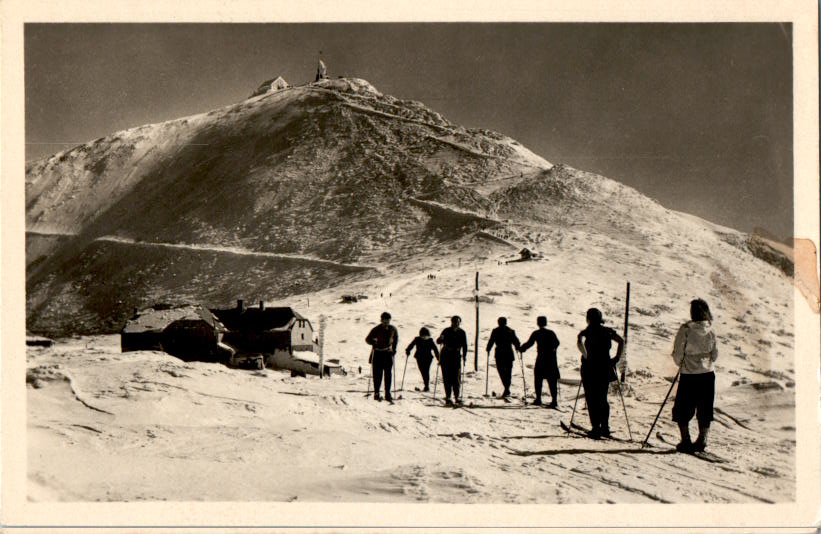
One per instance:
(261, 304)
(240, 305)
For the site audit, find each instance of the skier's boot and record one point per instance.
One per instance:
(685, 445)
(537, 401)
(701, 441)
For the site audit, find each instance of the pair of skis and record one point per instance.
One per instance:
(580, 431)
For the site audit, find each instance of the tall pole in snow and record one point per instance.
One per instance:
(321, 341)
(623, 363)
(476, 338)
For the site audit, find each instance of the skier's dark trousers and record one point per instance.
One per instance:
(425, 351)
(453, 354)
(546, 365)
(597, 370)
(383, 338)
(505, 340)
(695, 350)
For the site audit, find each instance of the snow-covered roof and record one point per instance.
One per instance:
(156, 320)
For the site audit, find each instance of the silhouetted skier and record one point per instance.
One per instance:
(454, 343)
(383, 338)
(425, 351)
(597, 371)
(546, 366)
(505, 340)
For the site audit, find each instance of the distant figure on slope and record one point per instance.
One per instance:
(425, 351)
(505, 340)
(694, 351)
(546, 366)
(383, 338)
(597, 371)
(321, 71)
(454, 345)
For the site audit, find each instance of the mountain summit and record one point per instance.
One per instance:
(301, 188)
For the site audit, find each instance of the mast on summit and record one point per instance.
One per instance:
(321, 70)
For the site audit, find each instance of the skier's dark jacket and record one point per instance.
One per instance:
(597, 342)
(505, 339)
(546, 345)
(425, 348)
(453, 340)
(383, 338)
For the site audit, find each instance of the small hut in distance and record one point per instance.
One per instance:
(270, 86)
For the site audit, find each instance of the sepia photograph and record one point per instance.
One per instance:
(357, 263)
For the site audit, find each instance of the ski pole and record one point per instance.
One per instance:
(393, 373)
(618, 384)
(487, 371)
(436, 379)
(573, 413)
(524, 386)
(370, 378)
(644, 443)
(462, 379)
(402, 387)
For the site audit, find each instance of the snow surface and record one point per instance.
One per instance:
(145, 426)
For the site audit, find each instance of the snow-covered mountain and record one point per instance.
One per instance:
(302, 194)
(332, 170)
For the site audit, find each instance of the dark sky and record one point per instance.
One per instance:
(697, 116)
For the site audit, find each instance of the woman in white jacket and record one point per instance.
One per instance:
(694, 351)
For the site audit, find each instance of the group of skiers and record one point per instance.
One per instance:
(694, 352)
